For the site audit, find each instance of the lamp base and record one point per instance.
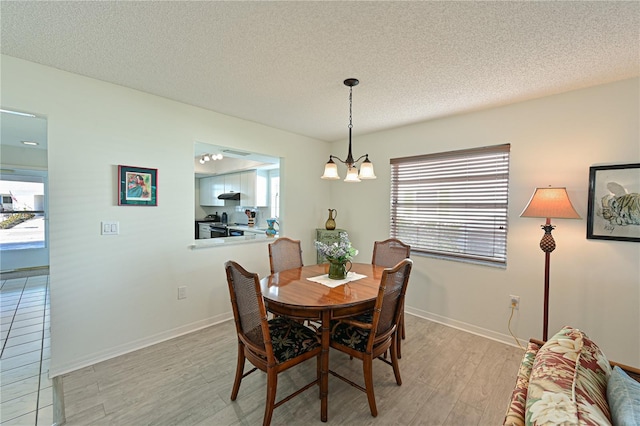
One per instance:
(547, 243)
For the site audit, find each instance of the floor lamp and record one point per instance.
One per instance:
(549, 203)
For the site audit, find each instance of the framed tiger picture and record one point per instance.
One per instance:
(613, 212)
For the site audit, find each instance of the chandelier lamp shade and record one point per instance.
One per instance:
(549, 203)
(366, 168)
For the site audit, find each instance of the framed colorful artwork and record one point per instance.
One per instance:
(137, 186)
(613, 212)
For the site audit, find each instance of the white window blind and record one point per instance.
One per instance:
(453, 204)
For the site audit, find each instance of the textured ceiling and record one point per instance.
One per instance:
(282, 63)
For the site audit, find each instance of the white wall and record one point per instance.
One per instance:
(113, 294)
(595, 284)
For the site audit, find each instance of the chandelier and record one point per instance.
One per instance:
(366, 168)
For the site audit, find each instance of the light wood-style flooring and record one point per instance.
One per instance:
(450, 377)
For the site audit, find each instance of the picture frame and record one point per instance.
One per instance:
(613, 211)
(137, 186)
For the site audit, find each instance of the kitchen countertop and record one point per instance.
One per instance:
(246, 228)
(218, 242)
(237, 226)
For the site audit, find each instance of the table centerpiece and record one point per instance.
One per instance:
(338, 254)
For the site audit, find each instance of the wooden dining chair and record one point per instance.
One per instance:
(388, 253)
(370, 335)
(272, 346)
(284, 253)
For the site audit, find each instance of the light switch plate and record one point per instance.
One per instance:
(109, 228)
(182, 292)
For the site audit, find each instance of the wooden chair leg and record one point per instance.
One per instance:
(394, 359)
(400, 335)
(367, 364)
(239, 371)
(272, 385)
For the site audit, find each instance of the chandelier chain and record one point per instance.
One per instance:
(350, 106)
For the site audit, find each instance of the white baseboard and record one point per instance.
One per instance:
(137, 344)
(469, 328)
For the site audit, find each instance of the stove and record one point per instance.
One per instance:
(207, 228)
(204, 228)
(219, 230)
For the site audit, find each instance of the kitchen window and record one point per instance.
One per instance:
(453, 205)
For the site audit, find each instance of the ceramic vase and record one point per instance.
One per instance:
(271, 231)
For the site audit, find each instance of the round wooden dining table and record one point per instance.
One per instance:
(290, 293)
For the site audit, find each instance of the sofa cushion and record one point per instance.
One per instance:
(515, 412)
(623, 394)
(568, 382)
(591, 384)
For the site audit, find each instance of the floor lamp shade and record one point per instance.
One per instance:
(549, 203)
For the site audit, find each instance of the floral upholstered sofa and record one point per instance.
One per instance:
(569, 381)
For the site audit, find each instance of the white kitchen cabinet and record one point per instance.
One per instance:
(254, 188)
(248, 189)
(204, 230)
(208, 193)
(205, 191)
(232, 182)
(210, 188)
(218, 188)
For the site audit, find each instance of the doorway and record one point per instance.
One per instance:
(24, 233)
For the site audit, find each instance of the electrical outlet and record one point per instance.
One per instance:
(182, 292)
(514, 302)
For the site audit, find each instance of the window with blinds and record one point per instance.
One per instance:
(453, 205)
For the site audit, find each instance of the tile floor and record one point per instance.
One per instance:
(25, 389)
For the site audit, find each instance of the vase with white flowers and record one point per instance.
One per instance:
(338, 254)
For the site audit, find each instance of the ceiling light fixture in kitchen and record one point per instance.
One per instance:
(366, 168)
(210, 157)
